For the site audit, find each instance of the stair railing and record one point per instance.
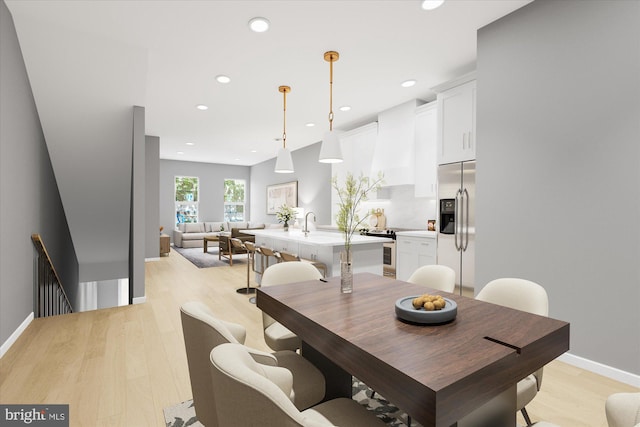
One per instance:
(51, 299)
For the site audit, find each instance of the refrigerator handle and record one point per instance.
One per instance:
(466, 218)
(458, 221)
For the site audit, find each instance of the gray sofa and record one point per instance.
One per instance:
(191, 235)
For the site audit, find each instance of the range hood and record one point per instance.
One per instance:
(395, 145)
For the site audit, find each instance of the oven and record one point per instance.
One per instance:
(389, 251)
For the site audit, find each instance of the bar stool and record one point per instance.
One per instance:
(268, 252)
(321, 266)
(265, 253)
(250, 248)
(238, 244)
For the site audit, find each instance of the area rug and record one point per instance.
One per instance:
(184, 414)
(209, 259)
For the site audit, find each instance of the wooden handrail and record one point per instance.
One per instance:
(49, 284)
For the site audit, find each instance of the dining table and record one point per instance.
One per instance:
(459, 373)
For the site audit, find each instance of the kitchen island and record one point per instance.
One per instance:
(322, 246)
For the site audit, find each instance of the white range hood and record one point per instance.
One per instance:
(395, 146)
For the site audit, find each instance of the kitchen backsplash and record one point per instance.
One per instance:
(402, 209)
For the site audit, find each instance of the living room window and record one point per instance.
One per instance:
(234, 199)
(186, 191)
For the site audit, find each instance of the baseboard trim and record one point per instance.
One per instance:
(15, 335)
(600, 369)
(151, 259)
(140, 300)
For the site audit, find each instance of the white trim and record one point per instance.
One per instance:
(140, 300)
(15, 335)
(599, 368)
(152, 259)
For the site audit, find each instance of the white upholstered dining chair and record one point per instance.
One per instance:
(238, 379)
(440, 277)
(203, 332)
(523, 295)
(623, 410)
(275, 334)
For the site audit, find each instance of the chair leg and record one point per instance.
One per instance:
(408, 420)
(524, 413)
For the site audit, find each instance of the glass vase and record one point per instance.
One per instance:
(346, 273)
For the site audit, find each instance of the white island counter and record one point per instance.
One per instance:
(324, 247)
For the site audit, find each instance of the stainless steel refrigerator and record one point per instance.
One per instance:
(456, 212)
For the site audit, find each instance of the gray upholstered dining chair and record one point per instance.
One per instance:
(440, 277)
(275, 334)
(526, 296)
(238, 379)
(203, 331)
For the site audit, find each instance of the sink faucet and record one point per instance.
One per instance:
(306, 227)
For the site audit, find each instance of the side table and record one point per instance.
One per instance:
(165, 243)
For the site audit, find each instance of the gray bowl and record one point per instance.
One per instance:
(405, 311)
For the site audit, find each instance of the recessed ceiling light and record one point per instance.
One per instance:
(180, 152)
(259, 25)
(254, 151)
(190, 143)
(345, 108)
(310, 125)
(202, 107)
(431, 4)
(408, 83)
(223, 79)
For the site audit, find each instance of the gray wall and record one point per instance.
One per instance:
(558, 118)
(137, 240)
(29, 197)
(152, 197)
(89, 142)
(314, 185)
(212, 178)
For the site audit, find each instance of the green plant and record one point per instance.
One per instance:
(354, 191)
(285, 214)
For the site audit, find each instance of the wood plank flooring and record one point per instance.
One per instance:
(122, 366)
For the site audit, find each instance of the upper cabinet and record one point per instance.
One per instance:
(395, 147)
(457, 123)
(425, 165)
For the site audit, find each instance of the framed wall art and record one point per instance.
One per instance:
(280, 194)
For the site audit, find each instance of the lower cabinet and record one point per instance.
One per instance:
(413, 252)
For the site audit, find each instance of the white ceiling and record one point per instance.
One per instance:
(188, 43)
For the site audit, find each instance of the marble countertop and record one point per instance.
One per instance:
(418, 233)
(320, 238)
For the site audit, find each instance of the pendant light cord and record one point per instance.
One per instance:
(330, 95)
(284, 121)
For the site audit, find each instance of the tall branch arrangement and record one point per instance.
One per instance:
(354, 191)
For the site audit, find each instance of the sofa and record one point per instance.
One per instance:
(191, 235)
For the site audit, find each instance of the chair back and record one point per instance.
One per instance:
(440, 277)
(286, 272)
(286, 256)
(520, 294)
(623, 409)
(249, 393)
(237, 243)
(202, 332)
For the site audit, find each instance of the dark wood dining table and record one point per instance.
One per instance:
(438, 374)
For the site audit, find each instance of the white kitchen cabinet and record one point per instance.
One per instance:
(357, 152)
(457, 124)
(413, 252)
(426, 164)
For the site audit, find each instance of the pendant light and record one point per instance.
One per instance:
(284, 164)
(330, 152)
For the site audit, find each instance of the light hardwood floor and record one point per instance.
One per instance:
(122, 366)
